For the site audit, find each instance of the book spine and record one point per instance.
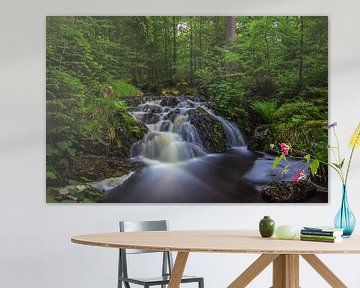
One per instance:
(318, 236)
(320, 233)
(318, 239)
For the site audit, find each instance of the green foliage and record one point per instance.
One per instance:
(51, 175)
(298, 112)
(58, 157)
(107, 119)
(321, 92)
(65, 95)
(226, 94)
(310, 137)
(266, 109)
(121, 88)
(277, 161)
(314, 166)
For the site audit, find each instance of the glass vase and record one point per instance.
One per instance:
(345, 219)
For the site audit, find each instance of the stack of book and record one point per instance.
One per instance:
(321, 234)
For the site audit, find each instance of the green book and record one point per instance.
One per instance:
(325, 240)
(319, 236)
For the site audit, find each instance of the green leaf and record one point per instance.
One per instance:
(342, 163)
(277, 161)
(314, 166)
(307, 157)
(272, 146)
(51, 175)
(339, 166)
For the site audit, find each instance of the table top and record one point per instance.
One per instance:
(216, 241)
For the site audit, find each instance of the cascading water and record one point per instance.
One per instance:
(233, 135)
(186, 162)
(172, 137)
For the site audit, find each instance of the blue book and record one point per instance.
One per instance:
(322, 231)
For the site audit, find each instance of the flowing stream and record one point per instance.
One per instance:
(172, 138)
(180, 166)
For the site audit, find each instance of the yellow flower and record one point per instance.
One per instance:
(355, 138)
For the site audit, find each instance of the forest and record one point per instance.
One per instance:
(107, 78)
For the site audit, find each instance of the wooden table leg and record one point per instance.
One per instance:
(286, 271)
(178, 269)
(324, 271)
(253, 270)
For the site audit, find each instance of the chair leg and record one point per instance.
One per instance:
(201, 283)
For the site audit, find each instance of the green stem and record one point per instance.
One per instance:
(338, 145)
(339, 156)
(350, 159)
(348, 167)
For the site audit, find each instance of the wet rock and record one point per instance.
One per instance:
(151, 108)
(169, 101)
(165, 126)
(261, 138)
(210, 130)
(172, 114)
(88, 192)
(288, 192)
(150, 118)
(94, 167)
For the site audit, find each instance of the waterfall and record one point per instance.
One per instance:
(234, 137)
(171, 136)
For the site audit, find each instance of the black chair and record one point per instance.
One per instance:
(167, 265)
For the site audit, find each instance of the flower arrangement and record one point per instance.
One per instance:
(313, 163)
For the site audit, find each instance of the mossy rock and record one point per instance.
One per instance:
(288, 192)
(77, 194)
(210, 130)
(260, 140)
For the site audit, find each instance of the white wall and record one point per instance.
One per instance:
(35, 248)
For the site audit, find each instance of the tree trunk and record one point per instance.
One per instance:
(166, 60)
(301, 61)
(230, 34)
(267, 49)
(191, 52)
(200, 42)
(230, 30)
(174, 49)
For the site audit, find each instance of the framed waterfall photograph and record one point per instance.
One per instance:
(186, 109)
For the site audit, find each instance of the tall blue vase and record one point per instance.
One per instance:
(345, 219)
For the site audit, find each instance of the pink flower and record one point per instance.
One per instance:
(299, 175)
(284, 148)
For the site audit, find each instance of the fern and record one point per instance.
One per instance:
(266, 109)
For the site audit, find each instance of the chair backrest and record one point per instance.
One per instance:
(135, 226)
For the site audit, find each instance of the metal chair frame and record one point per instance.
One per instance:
(167, 263)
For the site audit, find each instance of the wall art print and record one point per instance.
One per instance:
(185, 109)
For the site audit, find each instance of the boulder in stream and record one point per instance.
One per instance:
(260, 139)
(288, 192)
(210, 130)
(170, 101)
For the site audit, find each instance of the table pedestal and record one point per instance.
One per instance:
(285, 270)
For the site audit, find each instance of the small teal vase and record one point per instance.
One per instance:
(345, 219)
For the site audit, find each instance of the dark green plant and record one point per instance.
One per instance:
(298, 112)
(266, 109)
